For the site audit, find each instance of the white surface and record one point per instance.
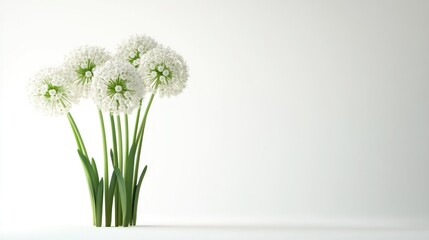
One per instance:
(216, 232)
(306, 112)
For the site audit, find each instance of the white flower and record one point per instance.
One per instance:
(134, 48)
(81, 64)
(164, 71)
(52, 92)
(117, 87)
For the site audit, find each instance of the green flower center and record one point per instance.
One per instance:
(53, 90)
(159, 74)
(133, 57)
(85, 72)
(116, 86)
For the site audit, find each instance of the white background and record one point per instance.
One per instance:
(297, 112)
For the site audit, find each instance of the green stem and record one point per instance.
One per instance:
(121, 164)
(128, 172)
(137, 122)
(115, 146)
(75, 134)
(118, 126)
(126, 138)
(140, 138)
(108, 205)
(115, 163)
(74, 126)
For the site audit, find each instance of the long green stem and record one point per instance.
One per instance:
(115, 146)
(128, 172)
(121, 163)
(140, 139)
(126, 138)
(108, 205)
(118, 126)
(74, 126)
(79, 146)
(137, 122)
(115, 163)
(140, 143)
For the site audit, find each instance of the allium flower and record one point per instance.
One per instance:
(164, 71)
(81, 63)
(51, 91)
(117, 87)
(134, 48)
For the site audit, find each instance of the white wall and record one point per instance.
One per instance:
(310, 112)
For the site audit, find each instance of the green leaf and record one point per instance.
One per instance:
(112, 157)
(136, 195)
(122, 189)
(94, 168)
(112, 188)
(109, 198)
(129, 170)
(88, 169)
(99, 204)
(89, 172)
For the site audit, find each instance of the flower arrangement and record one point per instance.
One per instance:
(118, 85)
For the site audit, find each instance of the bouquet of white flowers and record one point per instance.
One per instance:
(118, 84)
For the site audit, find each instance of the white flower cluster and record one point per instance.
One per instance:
(117, 84)
(117, 87)
(134, 48)
(52, 92)
(164, 71)
(81, 64)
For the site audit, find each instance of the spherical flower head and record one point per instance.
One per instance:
(164, 71)
(82, 63)
(117, 87)
(52, 92)
(134, 48)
